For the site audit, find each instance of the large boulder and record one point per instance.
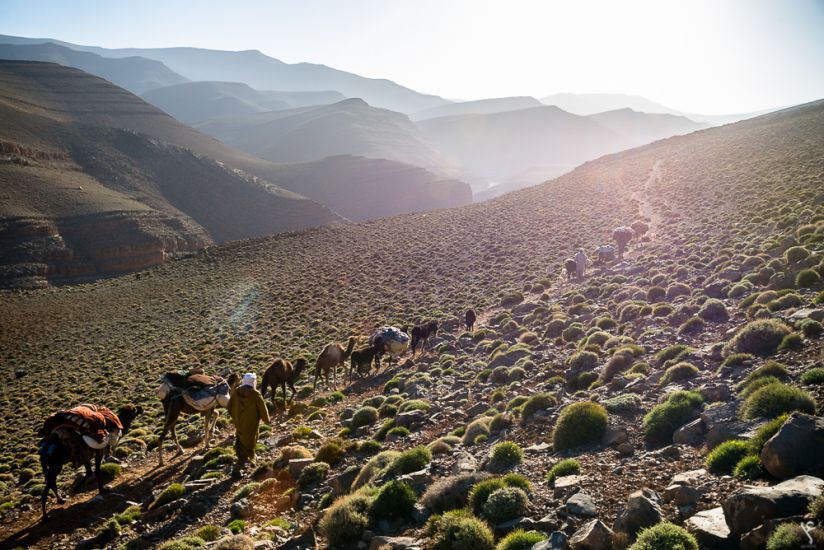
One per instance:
(643, 509)
(797, 448)
(749, 507)
(711, 530)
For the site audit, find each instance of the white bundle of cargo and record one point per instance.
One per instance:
(394, 340)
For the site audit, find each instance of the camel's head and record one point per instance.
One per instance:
(164, 389)
(233, 380)
(127, 414)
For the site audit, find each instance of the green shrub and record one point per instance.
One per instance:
(505, 456)
(678, 373)
(816, 508)
(785, 302)
(452, 492)
(109, 471)
(671, 353)
(517, 480)
(723, 458)
(583, 360)
(795, 254)
(807, 278)
(520, 540)
(810, 328)
(373, 468)
(623, 403)
(764, 433)
(459, 531)
(665, 418)
(791, 342)
(770, 368)
(748, 467)
(369, 447)
(129, 515)
(776, 399)
(665, 536)
(330, 452)
(415, 405)
(410, 461)
(236, 526)
(365, 416)
(579, 424)
(208, 533)
(505, 504)
(813, 376)
(313, 473)
(693, 325)
(345, 520)
(170, 493)
(535, 403)
(566, 467)
(479, 426)
(790, 536)
(245, 491)
(481, 491)
(714, 311)
(760, 337)
(395, 500)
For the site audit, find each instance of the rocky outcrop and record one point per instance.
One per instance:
(643, 509)
(750, 507)
(797, 448)
(711, 530)
(37, 252)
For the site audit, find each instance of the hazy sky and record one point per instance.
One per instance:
(707, 56)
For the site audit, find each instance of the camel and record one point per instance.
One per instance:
(421, 333)
(570, 266)
(640, 228)
(622, 236)
(280, 373)
(64, 443)
(329, 359)
(470, 319)
(171, 393)
(362, 360)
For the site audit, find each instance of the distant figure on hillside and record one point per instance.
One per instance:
(622, 236)
(581, 262)
(248, 410)
(640, 228)
(470, 319)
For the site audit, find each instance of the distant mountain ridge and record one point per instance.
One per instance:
(478, 107)
(265, 73)
(198, 101)
(136, 74)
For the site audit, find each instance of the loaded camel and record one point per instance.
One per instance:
(329, 359)
(280, 373)
(421, 333)
(622, 236)
(362, 360)
(173, 395)
(64, 442)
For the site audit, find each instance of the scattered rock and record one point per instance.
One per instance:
(557, 541)
(592, 536)
(749, 507)
(681, 495)
(395, 543)
(296, 466)
(564, 485)
(580, 504)
(643, 509)
(797, 448)
(242, 508)
(614, 436)
(690, 433)
(342, 482)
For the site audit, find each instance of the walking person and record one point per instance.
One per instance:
(248, 410)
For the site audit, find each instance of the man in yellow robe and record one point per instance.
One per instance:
(248, 410)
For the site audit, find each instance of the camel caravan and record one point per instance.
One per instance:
(576, 266)
(87, 434)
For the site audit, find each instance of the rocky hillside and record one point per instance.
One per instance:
(670, 390)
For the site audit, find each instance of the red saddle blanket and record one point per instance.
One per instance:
(87, 419)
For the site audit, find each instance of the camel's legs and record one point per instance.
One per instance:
(174, 438)
(77, 485)
(98, 458)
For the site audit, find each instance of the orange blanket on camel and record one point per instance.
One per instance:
(87, 419)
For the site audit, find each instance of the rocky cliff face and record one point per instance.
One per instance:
(38, 252)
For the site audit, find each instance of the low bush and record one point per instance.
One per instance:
(313, 473)
(365, 416)
(760, 337)
(535, 403)
(791, 342)
(714, 311)
(395, 500)
(693, 325)
(410, 461)
(566, 467)
(790, 536)
(748, 467)
(208, 533)
(480, 492)
(505, 504)
(345, 520)
(662, 421)
(723, 458)
(579, 424)
(671, 353)
(458, 530)
(665, 536)
(583, 360)
(450, 493)
(169, 494)
(520, 540)
(109, 471)
(374, 467)
(764, 433)
(626, 402)
(813, 376)
(807, 278)
(776, 399)
(679, 373)
(505, 456)
(330, 452)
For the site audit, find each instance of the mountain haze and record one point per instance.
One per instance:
(136, 74)
(479, 107)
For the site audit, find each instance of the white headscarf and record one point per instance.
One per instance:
(249, 379)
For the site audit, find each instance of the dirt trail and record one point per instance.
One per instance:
(645, 207)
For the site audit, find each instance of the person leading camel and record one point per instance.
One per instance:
(581, 262)
(248, 410)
